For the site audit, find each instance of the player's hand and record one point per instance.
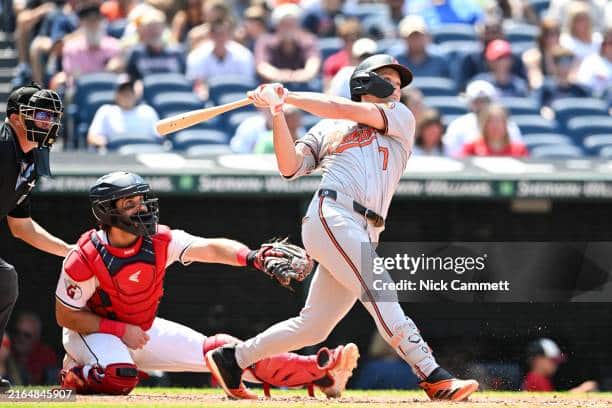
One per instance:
(134, 337)
(269, 96)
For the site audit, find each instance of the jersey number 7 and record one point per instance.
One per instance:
(385, 152)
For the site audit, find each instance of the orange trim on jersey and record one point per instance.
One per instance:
(359, 137)
(353, 268)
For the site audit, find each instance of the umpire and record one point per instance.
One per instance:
(33, 118)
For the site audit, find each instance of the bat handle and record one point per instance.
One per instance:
(237, 104)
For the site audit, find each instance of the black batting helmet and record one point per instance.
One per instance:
(111, 187)
(365, 81)
(41, 112)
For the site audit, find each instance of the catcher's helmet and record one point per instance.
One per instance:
(41, 111)
(365, 81)
(109, 188)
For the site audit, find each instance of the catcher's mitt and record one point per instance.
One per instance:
(282, 261)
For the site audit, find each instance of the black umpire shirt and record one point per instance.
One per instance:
(17, 175)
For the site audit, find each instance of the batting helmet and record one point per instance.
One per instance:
(109, 188)
(365, 81)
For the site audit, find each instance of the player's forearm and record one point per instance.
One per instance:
(31, 232)
(216, 250)
(80, 321)
(287, 158)
(336, 107)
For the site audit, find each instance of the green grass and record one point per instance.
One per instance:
(190, 397)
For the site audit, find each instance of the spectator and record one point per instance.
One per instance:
(213, 10)
(293, 116)
(340, 84)
(596, 70)
(290, 55)
(188, 17)
(440, 12)
(559, 10)
(396, 10)
(561, 85)
(543, 359)
(349, 31)
(578, 35)
(323, 17)
(117, 10)
(499, 56)
(219, 56)
(37, 359)
(30, 15)
(465, 129)
(413, 99)
(253, 26)
(9, 369)
(475, 63)
(538, 60)
(428, 136)
(152, 55)
(248, 132)
(421, 61)
(494, 139)
(89, 50)
(124, 120)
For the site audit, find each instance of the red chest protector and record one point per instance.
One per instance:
(130, 279)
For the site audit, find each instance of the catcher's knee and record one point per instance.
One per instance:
(219, 340)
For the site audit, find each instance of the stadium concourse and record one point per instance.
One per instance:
(548, 64)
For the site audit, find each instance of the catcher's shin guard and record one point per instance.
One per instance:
(115, 379)
(328, 369)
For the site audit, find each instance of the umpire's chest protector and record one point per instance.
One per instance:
(131, 280)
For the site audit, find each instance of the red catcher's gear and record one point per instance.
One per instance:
(131, 279)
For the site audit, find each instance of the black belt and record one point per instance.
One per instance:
(376, 219)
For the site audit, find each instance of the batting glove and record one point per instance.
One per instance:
(269, 96)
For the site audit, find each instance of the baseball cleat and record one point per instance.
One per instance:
(223, 366)
(5, 385)
(440, 385)
(342, 361)
(72, 379)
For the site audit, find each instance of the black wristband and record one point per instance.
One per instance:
(250, 258)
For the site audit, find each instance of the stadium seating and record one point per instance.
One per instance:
(435, 86)
(541, 139)
(234, 119)
(535, 124)
(580, 127)
(594, 143)
(606, 152)
(233, 97)
(520, 106)
(86, 111)
(453, 32)
(208, 150)
(168, 103)
(139, 148)
(568, 108)
(446, 105)
(160, 83)
(329, 46)
(193, 137)
(556, 152)
(219, 86)
(520, 32)
(539, 6)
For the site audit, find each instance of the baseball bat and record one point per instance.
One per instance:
(187, 119)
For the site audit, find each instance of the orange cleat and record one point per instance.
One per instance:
(342, 362)
(440, 385)
(223, 366)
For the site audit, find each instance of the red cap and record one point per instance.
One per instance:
(497, 49)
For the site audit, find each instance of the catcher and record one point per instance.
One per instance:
(111, 285)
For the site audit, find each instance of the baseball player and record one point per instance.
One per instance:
(111, 285)
(362, 147)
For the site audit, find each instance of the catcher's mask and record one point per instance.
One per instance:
(364, 81)
(113, 186)
(42, 116)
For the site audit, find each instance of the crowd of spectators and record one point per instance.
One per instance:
(486, 53)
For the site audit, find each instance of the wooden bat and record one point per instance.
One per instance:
(187, 119)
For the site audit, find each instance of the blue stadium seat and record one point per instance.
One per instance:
(568, 108)
(101, 81)
(447, 105)
(363, 10)
(161, 83)
(535, 124)
(233, 97)
(521, 32)
(391, 46)
(606, 152)
(520, 106)
(192, 137)
(594, 143)
(234, 119)
(556, 152)
(541, 139)
(176, 97)
(308, 121)
(140, 148)
(329, 46)
(519, 47)
(435, 86)
(208, 150)
(453, 32)
(539, 6)
(582, 126)
(92, 103)
(218, 86)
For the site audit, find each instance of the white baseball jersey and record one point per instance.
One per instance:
(359, 160)
(75, 294)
